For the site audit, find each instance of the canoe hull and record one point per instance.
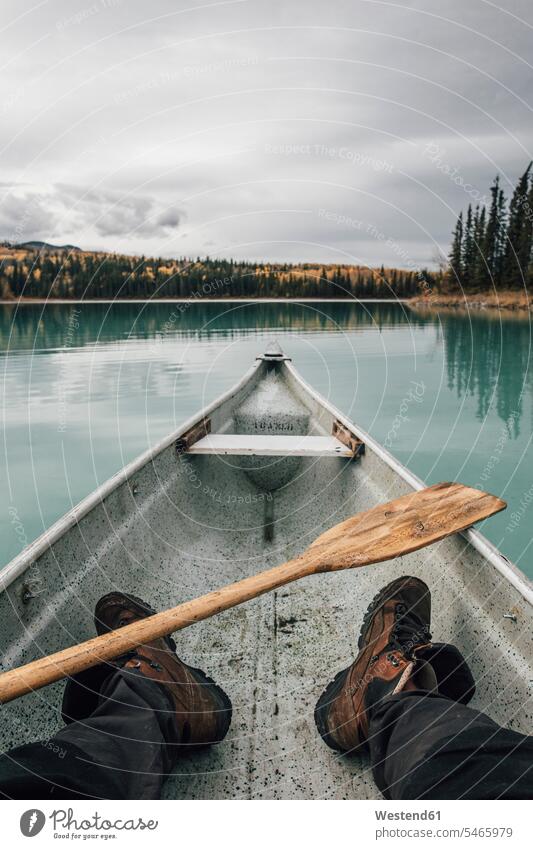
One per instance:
(173, 527)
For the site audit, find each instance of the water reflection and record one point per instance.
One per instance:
(31, 326)
(487, 356)
(490, 359)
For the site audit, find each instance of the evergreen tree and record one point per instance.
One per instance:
(518, 242)
(494, 242)
(479, 272)
(455, 271)
(526, 248)
(468, 250)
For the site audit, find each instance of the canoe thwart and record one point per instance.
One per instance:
(196, 432)
(345, 435)
(270, 445)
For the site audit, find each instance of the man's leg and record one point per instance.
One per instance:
(127, 721)
(404, 698)
(123, 750)
(424, 746)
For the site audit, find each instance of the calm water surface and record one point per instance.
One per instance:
(88, 387)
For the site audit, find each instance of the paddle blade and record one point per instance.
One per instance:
(401, 526)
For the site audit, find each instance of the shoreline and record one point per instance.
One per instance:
(22, 301)
(492, 301)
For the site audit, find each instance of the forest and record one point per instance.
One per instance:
(82, 275)
(492, 248)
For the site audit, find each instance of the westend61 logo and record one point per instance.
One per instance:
(66, 825)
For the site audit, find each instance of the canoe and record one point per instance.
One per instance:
(244, 485)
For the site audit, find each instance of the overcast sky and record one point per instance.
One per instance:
(328, 130)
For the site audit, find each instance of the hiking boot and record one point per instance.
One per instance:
(394, 648)
(203, 710)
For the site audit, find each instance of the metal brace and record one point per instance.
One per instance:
(344, 435)
(196, 432)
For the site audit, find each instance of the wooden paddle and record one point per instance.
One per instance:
(385, 532)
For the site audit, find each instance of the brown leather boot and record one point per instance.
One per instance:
(394, 648)
(395, 627)
(203, 710)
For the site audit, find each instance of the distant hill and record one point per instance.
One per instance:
(37, 245)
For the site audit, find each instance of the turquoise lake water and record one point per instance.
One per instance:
(85, 388)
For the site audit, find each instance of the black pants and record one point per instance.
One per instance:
(424, 746)
(124, 749)
(421, 746)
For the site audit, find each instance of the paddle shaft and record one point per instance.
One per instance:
(70, 661)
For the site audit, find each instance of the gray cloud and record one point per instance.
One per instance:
(71, 210)
(169, 129)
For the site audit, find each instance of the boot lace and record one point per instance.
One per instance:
(409, 631)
